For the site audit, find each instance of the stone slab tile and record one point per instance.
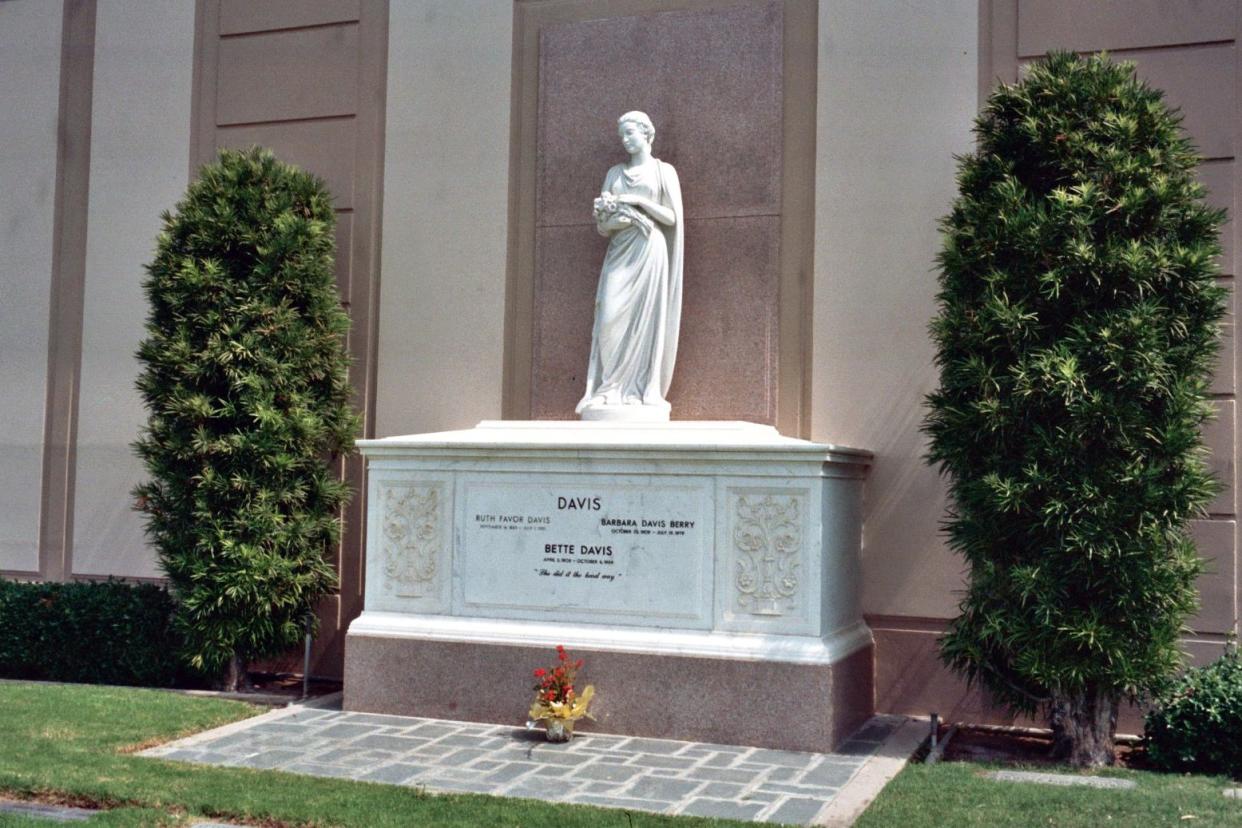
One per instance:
(720, 760)
(781, 773)
(510, 771)
(797, 810)
(552, 771)
(397, 744)
(398, 773)
(786, 758)
(613, 760)
(753, 796)
(462, 756)
(722, 790)
(1062, 779)
(432, 730)
(345, 731)
(829, 774)
(663, 746)
(40, 812)
(663, 790)
(609, 773)
(316, 769)
(721, 775)
(270, 759)
(722, 809)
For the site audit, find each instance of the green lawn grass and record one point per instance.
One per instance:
(956, 794)
(71, 740)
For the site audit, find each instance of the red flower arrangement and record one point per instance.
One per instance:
(556, 699)
(556, 684)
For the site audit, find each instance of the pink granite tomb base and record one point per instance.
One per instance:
(759, 703)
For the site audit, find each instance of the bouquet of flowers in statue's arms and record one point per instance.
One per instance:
(612, 214)
(558, 703)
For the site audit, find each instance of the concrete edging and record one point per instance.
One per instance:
(857, 794)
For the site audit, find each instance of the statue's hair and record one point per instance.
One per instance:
(640, 118)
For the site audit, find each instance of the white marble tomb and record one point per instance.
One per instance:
(723, 540)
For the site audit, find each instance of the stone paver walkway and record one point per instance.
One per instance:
(658, 775)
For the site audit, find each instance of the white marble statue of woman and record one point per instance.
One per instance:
(638, 302)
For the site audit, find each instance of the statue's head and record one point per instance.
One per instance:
(633, 127)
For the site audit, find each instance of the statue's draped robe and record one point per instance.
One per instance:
(638, 302)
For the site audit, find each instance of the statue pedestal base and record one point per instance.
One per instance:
(626, 413)
(698, 568)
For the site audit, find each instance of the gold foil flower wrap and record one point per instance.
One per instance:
(573, 709)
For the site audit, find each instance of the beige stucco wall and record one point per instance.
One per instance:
(897, 94)
(441, 323)
(30, 32)
(140, 131)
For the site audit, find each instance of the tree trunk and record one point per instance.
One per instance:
(1084, 727)
(236, 680)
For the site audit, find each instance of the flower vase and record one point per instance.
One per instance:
(559, 730)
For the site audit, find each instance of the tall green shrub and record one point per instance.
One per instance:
(1076, 330)
(245, 382)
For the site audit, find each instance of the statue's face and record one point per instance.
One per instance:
(633, 137)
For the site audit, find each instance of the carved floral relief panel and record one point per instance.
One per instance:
(414, 544)
(763, 571)
(767, 553)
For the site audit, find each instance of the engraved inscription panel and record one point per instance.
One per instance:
(587, 549)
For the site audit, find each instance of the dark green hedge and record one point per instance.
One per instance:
(106, 632)
(1197, 725)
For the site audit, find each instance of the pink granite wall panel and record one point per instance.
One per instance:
(712, 81)
(564, 307)
(729, 321)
